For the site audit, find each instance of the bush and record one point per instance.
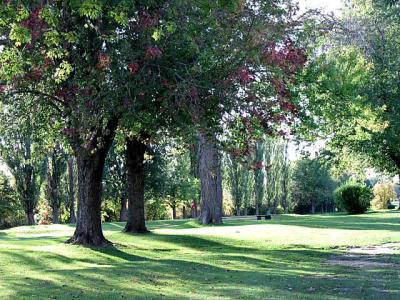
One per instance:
(383, 194)
(279, 210)
(11, 211)
(353, 197)
(156, 209)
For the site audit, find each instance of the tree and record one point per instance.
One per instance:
(71, 189)
(20, 152)
(352, 87)
(311, 186)
(10, 208)
(56, 167)
(115, 181)
(276, 161)
(259, 175)
(78, 59)
(239, 178)
(93, 63)
(135, 150)
(383, 194)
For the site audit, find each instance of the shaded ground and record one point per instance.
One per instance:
(291, 257)
(367, 257)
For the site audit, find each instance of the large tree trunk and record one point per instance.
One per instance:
(123, 214)
(56, 215)
(90, 163)
(135, 150)
(71, 190)
(211, 181)
(88, 228)
(30, 218)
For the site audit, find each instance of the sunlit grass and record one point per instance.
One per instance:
(242, 259)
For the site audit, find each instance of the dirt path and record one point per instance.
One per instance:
(368, 257)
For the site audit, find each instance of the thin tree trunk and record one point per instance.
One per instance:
(123, 215)
(312, 206)
(398, 196)
(71, 190)
(211, 181)
(29, 194)
(174, 212)
(259, 176)
(135, 150)
(238, 211)
(184, 212)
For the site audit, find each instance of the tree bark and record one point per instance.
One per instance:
(259, 176)
(174, 212)
(88, 228)
(211, 181)
(238, 211)
(123, 215)
(71, 190)
(184, 212)
(90, 162)
(135, 150)
(30, 218)
(56, 215)
(28, 193)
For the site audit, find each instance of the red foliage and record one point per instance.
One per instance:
(287, 106)
(280, 88)
(258, 165)
(133, 68)
(35, 24)
(288, 58)
(34, 75)
(153, 52)
(48, 62)
(164, 83)
(244, 76)
(146, 20)
(194, 93)
(68, 93)
(103, 61)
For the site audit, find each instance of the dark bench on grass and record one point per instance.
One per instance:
(266, 217)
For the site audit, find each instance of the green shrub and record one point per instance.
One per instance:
(279, 210)
(353, 197)
(156, 209)
(11, 211)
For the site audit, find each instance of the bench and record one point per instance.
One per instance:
(266, 217)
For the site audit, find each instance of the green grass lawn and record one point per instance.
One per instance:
(243, 259)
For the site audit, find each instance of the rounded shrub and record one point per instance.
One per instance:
(353, 197)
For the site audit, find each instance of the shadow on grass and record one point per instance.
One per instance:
(222, 271)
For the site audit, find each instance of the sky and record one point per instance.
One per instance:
(327, 5)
